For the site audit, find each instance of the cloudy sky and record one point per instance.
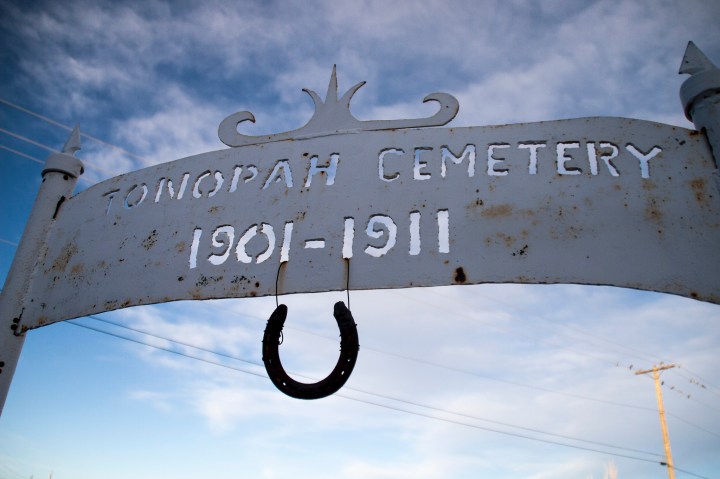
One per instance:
(490, 381)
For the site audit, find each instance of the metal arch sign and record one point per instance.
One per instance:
(606, 201)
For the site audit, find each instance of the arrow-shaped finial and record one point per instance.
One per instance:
(694, 61)
(73, 142)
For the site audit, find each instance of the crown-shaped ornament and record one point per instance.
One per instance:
(333, 117)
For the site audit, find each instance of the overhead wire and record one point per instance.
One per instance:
(28, 140)
(20, 153)
(460, 370)
(421, 361)
(356, 389)
(390, 398)
(87, 164)
(428, 416)
(69, 128)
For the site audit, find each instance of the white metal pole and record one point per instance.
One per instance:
(60, 175)
(700, 97)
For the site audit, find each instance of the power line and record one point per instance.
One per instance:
(32, 158)
(11, 243)
(69, 128)
(28, 140)
(19, 153)
(441, 366)
(386, 406)
(166, 349)
(398, 409)
(421, 361)
(380, 395)
(50, 149)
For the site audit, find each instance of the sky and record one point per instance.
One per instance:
(486, 381)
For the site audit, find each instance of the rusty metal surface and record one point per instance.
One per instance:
(59, 179)
(590, 201)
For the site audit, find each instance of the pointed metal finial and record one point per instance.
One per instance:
(332, 91)
(694, 61)
(73, 142)
(700, 96)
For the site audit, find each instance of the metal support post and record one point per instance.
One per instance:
(661, 410)
(60, 176)
(700, 96)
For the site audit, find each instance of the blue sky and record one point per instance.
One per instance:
(492, 381)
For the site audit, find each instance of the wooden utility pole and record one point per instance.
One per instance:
(661, 410)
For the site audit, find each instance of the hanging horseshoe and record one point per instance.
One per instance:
(349, 347)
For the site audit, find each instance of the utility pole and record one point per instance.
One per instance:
(661, 410)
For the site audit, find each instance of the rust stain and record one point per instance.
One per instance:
(698, 187)
(64, 258)
(653, 212)
(508, 240)
(498, 211)
(151, 240)
(77, 269)
(474, 204)
(180, 247)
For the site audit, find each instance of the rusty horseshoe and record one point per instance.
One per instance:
(349, 347)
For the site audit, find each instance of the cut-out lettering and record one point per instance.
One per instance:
(330, 170)
(492, 161)
(443, 221)
(240, 252)
(280, 172)
(253, 173)
(420, 165)
(229, 233)
(644, 158)
(197, 234)
(236, 177)
(377, 227)
(605, 157)
(348, 237)
(533, 161)
(562, 158)
(446, 154)
(414, 233)
(269, 233)
(137, 193)
(110, 194)
(250, 233)
(196, 186)
(287, 238)
(315, 244)
(171, 191)
(381, 163)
